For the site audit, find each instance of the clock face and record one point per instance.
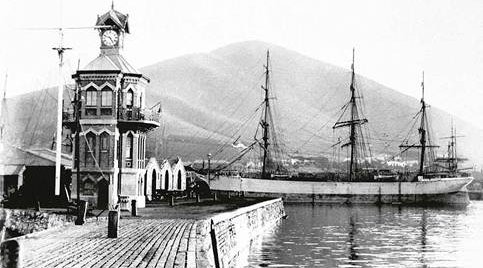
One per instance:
(110, 38)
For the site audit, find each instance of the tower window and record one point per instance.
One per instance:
(129, 146)
(129, 98)
(91, 97)
(90, 148)
(106, 97)
(104, 141)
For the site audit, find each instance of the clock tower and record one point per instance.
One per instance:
(111, 123)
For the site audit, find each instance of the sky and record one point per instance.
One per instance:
(394, 40)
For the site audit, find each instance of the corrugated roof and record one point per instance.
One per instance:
(110, 62)
(6, 170)
(11, 155)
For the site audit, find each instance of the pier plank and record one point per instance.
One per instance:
(141, 243)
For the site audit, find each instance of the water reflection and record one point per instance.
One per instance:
(371, 236)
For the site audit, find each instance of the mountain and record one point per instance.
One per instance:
(207, 97)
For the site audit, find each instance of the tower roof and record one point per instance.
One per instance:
(110, 62)
(114, 18)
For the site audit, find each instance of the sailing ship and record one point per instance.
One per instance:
(361, 184)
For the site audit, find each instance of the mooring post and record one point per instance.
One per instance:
(81, 212)
(198, 199)
(37, 205)
(229, 195)
(171, 200)
(10, 254)
(214, 196)
(134, 208)
(113, 223)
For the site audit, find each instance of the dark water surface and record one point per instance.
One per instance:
(372, 236)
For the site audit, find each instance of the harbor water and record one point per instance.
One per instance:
(372, 236)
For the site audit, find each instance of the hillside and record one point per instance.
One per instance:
(206, 97)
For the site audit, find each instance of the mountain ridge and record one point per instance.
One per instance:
(207, 96)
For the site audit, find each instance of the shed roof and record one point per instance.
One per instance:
(12, 155)
(6, 170)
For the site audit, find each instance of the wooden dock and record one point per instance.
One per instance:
(140, 243)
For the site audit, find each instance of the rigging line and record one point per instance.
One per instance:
(246, 150)
(91, 152)
(33, 111)
(42, 105)
(240, 128)
(324, 125)
(228, 103)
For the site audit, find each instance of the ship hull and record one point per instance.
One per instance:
(444, 191)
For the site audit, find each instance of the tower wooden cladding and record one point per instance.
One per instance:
(113, 121)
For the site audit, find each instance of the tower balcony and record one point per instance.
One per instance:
(127, 119)
(137, 119)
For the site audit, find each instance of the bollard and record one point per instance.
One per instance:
(37, 205)
(10, 254)
(214, 196)
(198, 199)
(134, 208)
(171, 200)
(113, 223)
(81, 212)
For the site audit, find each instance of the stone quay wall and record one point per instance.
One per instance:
(17, 222)
(224, 239)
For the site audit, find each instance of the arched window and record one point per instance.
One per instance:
(129, 98)
(104, 148)
(129, 149)
(91, 97)
(179, 179)
(106, 97)
(90, 149)
(153, 183)
(166, 180)
(91, 101)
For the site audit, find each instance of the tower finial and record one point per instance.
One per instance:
(112, 4)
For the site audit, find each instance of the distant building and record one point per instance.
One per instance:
(171, 176)
(114, 120)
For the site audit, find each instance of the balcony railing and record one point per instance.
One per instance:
(136, 114)
(129, 114)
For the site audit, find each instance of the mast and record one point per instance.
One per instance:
(60, 51)
(353, 123)
(264, 122)
(422, 130)
(352, 138)
(423, 134)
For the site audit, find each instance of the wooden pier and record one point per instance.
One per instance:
(141, 243)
